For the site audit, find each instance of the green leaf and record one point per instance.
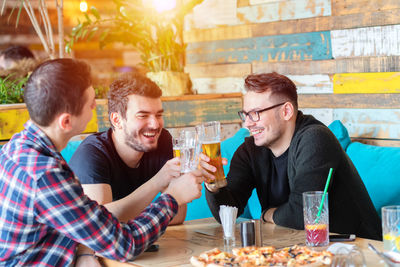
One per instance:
(91, 35)
(88, 18)
(95, 12)
(18, 15)
(103, 35)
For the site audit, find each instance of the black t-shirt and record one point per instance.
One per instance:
(278, 189)
(96, 161)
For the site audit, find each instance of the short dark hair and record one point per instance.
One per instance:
(56, 86)
(130, 84)
(279, 85)
(17, 52)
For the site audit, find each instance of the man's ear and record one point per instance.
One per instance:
(64, 121)
(116, 120)
(288, 111)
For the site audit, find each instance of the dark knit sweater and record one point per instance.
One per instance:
(313, 150)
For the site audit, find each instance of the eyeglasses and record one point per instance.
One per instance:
(254, 115)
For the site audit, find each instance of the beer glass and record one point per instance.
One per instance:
(210, 133)
(176, 146)
(189, 150)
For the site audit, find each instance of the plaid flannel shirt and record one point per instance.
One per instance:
(44, 213)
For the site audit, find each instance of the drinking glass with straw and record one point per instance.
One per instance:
(316, 216)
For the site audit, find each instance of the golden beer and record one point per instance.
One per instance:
(213, 151)
(177, 152)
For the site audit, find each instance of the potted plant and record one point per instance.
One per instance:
(158, 37)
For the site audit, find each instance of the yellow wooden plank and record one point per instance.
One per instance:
(369, 83)
(91, 127)
(12, 121)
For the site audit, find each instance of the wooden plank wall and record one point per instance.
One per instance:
(179, 113)
(344, 56)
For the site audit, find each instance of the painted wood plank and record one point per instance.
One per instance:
(377, 142)
(287, 10)
(370, 41)
(378, 82)
(301, 46)
(190, 113)
(241, 3)
(340, 7)
(218, 85)
(102, 115)
(306, 84)
(342, 65)
(12, 121)
(361, 101)
(312, 84)
(358, 20)
(370, 123)
(257, 2)
(201, 97)
(366, 19)
(187, 110)
(324, 115)
(218, 71)
(220, 33)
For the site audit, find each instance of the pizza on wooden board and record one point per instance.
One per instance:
(263, 256)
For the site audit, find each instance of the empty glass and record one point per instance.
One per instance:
(345, 257)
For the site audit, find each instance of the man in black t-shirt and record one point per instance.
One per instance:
(134, 158)
(289, 153)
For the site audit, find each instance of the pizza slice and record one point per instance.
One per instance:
(213, 258)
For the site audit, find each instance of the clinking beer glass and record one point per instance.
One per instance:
(210, 136)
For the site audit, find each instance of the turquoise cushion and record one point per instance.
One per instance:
(69, 150)
(379, 168)
(229, 146)
(254, 206)
(198, 208)
(341, 133)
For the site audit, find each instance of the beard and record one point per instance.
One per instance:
(273, 136)
(132, 140)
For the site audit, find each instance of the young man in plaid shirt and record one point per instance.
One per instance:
(44, 213)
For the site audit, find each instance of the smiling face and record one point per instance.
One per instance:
(143, 124)
(268, 131)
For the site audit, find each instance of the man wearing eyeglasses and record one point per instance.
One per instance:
(287, 154)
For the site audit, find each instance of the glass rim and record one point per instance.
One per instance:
(391, 207)
(314, 193)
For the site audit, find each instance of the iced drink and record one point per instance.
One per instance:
(316, 223)
(317, 235)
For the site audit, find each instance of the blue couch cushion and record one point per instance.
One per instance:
(379, 169)
(198, 208)
(229, 146)
(341, 133)
(69, 150)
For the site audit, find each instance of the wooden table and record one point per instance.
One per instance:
(180, 242)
